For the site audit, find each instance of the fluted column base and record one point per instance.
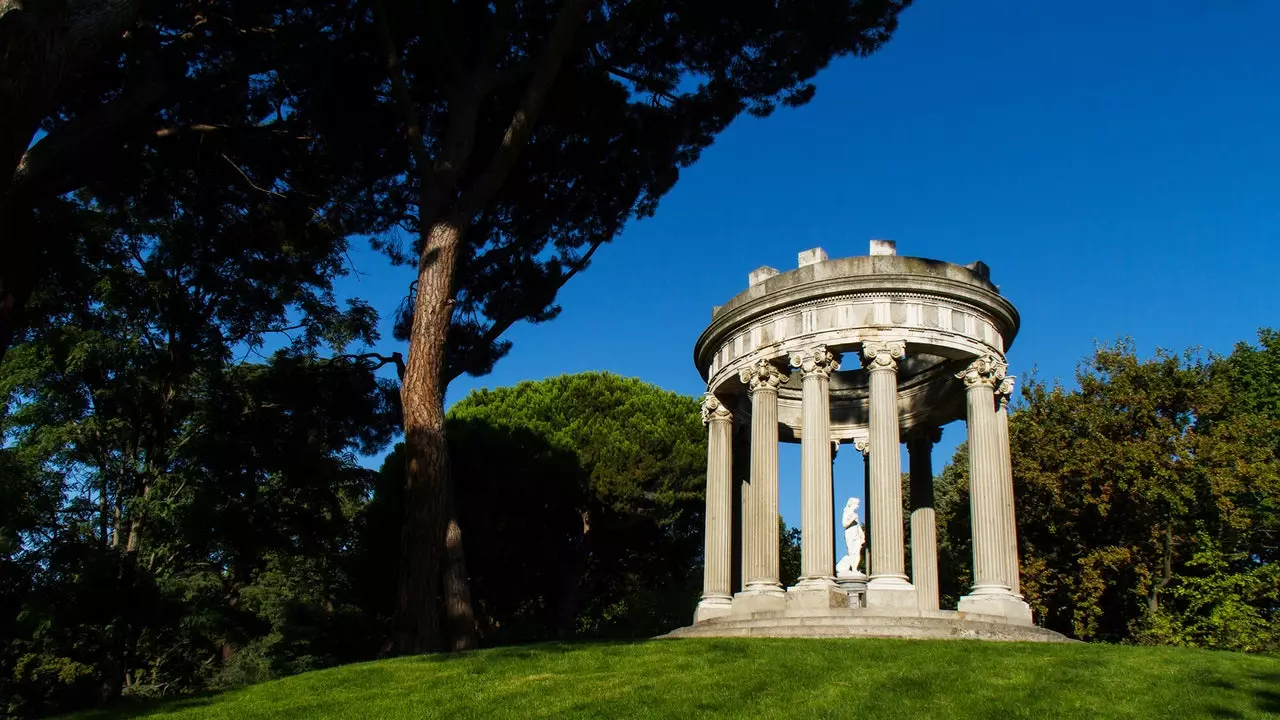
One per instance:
(891, 592)
(712, 607)
(1003, 604)
(759, 599)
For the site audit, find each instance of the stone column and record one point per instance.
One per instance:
(718, 556)
(888, 586)
(924, 527)
(863, 445)
(763, 590)
(991, 594)
(742, 497)
(817, 531)
(1010, 521)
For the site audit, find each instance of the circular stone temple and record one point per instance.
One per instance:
(870, 351)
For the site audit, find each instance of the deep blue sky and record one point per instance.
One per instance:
(1117, 164)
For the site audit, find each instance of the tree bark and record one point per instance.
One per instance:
(417, 622)
(460, 615)
(17, 270)
(571, 574)
(1166, 575)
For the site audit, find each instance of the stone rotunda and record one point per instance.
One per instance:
(870, 351)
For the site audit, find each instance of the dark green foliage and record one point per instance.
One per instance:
(789, 546)
(1148, 500)
(581, 500)
(175, 505)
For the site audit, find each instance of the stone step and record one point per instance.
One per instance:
(868, 626)
(840, 613)
(1005, 634)
(880, 632)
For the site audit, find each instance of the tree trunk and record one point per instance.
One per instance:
(460, 616)
(571, 574)
(1166, 575)
(17, 270)
(417, 622)
(427, 480)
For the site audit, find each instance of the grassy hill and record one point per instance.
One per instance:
(766, 678)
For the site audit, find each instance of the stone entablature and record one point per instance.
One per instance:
(947, 313)
(950, 326)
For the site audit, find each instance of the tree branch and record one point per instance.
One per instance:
(632, 78)
(400, 85)
(498, 327)
(520, 129)
(248, 179)
(367, 359)
(57, 163)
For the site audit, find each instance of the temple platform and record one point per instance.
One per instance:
(868, 623)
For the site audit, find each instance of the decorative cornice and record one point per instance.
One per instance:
(883, 355)
(987, 370)
(713, 410)
(816, 361)
(762, 375)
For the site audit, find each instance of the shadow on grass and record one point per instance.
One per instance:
(1263, 690)
(556, 647)
(1267, 698)
(517, 652)
(133, 708)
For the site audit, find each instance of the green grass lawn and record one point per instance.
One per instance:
(764, 678)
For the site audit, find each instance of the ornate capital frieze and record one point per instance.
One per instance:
(713, 409)
(762, 375)
(818, 360)
(986, 370)
(1004, 391)
(883, 355)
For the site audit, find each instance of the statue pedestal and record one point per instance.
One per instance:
(816, 594)
(855, 584)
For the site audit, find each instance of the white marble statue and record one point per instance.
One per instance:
(854, 539)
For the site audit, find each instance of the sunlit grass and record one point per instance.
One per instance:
(766, 678)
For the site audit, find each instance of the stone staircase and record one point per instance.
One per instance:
(859, 622)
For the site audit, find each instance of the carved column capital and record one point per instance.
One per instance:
(762, 375)
(929, 436)
(862, 445)
(883, 355)
(818, 360)
(986, 370)
(1004, 392)
(713, 410)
